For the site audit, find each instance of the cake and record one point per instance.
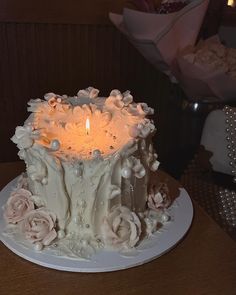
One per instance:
(87, 183)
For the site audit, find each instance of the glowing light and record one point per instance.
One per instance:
(87, 126)
(195, 106)
(231, 3)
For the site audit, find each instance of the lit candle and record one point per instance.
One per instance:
(87, 126)
(79, 130)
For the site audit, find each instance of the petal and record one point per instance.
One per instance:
(134, 233)
(20, 132)
(49, 237)
(116, 223)
(25, 142)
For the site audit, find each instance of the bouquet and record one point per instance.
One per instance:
(161, 29)
(208, 70)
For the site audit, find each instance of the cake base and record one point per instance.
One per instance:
(181, 212)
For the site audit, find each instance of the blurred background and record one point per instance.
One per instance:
(63, 46)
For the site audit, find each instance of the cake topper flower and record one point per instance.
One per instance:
(142, 130)
(121, 228)
(118, 99)
(88, 92)
(24, 136)
(18, 205)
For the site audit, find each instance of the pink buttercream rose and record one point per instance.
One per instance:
(39, 226)
(18, 205)
(158, 197)
(121, 228)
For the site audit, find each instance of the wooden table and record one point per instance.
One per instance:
(204, 262)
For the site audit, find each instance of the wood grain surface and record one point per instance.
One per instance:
(204, 262)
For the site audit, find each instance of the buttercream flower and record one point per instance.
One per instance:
(158, 197)
(115, 101)
(121, 228)
(140, 109)
(18, 205)
(136, 166)
(118, 99)
(139, 170)
(49, 96)
(152, 161)
(24, 136)
(34, 105)
(142, 130)
(39, 226)
(52, 102)
(127, 98)
(144, 110)
(90, 92)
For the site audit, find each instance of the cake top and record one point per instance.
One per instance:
(84, 126)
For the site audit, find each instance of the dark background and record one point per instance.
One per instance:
(64, 46)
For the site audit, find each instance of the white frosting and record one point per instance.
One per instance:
(82, 175)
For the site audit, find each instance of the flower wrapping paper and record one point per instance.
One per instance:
(160, 37)
(210, 80)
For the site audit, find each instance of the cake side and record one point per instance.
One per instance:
(98, 195)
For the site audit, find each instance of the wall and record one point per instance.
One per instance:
(63, 46)
(63, 58)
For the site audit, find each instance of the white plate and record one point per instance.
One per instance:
(172, 232)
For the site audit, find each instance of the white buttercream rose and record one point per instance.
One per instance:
(18, 205)
(88, 92)
(142, 130)
(118, 99)
(158, 197)
(39, 226)
(127, 98)
(121, 228)
(140, 109)
(135, 167)
(24, 136)
(144, 110)
(115, 101)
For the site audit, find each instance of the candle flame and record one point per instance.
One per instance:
(87, 126)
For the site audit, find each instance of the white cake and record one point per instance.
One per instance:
(87, 181)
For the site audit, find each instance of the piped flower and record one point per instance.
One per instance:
(24, 136)
(158, 197)
(18, 205)
(121, 228)
(39, 226)
(142, 130)
(118, 99)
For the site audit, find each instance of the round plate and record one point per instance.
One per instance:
(171, 233)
